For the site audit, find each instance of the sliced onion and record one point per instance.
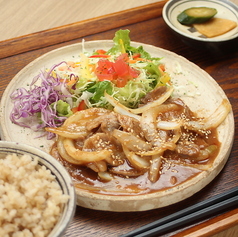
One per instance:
(106, 176)
(119, 108)
(158, 150)
(93, 167)
(64, 154)
(69, 132)
(132, 142)
(154, 172)
(176, 135)
(83, 116)
(141, 109)
(148, 121)
(102, 165)
(168, 125)
(205, 153)
(214, 120)
(136, 161)
(85, 156)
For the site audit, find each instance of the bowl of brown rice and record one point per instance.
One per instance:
(37, 197)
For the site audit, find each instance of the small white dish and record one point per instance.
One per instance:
(188, 34)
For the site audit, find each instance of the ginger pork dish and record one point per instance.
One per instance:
(123, 121)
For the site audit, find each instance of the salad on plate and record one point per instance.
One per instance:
(124, 72)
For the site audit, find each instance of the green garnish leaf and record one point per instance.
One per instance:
(99, 88)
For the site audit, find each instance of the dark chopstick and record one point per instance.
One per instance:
(198, 211)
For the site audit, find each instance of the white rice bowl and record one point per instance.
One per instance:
(32, 200)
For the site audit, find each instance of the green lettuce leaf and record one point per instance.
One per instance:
(122, 43)
(153, 69)
(98, 90)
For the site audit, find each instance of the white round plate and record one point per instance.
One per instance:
(192, 84)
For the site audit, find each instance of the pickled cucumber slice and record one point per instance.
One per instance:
(196, 15)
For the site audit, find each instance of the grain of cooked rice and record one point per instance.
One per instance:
(31, 200)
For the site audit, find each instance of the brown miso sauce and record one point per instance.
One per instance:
(174, 171)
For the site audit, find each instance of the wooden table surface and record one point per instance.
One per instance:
(18, 18)
(148, 28)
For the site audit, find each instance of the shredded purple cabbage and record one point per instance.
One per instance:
(33, 108)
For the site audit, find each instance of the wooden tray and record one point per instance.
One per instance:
(146, 26)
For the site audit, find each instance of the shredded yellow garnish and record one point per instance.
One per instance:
(84, 69)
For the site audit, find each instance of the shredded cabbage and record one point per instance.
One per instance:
(33, 108)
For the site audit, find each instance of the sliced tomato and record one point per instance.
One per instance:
(162, 67)
(119, 72)
(100, 56)
(121, 82)
(101, 51)
(121, 68)
(134, 72)
(136, 55)
(105, 77)
(81, 106)
(124, 57)
(104, 66)
(105, 70)
(74, 110)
